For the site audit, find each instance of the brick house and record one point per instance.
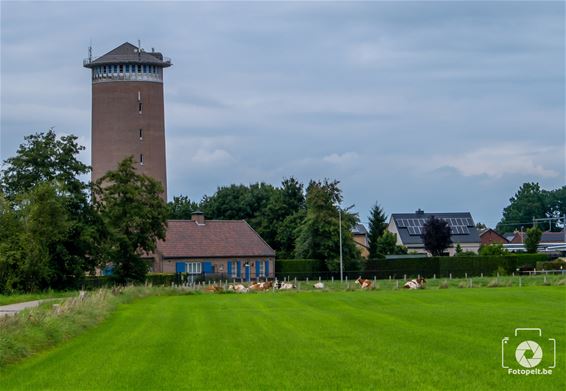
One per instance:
(229, 249)
(409, 227)
(360, 235)
(490, 236)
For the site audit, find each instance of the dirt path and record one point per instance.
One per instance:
(11, 309)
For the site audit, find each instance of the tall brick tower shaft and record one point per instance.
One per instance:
(127, 111)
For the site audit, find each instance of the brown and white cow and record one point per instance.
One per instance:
(417, 283)
(365, 284)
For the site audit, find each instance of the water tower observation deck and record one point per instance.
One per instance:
(128, 63)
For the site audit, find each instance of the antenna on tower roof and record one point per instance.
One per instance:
(139, 49)
(90, 51)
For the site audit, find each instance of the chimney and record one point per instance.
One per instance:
(419, 211)
(198, 217)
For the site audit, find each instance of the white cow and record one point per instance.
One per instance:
(319, 285)
(417, 283)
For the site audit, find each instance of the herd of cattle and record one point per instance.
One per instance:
(417, 283)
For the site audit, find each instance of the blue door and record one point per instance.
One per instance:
(248, 272)
(267, 268)
(229, 269)
(257, 268)
(239, 270)
(207, 267)
(180, 267)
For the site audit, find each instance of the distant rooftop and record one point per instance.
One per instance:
(129, 54)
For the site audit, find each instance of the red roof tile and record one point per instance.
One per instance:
(216, 238)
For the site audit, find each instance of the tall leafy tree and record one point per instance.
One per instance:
(318, 235)
(436, 236)
(387, 245)
(284, 209)
(529, 202)
(377, 226)
(43, 159)
(532, 240)
(181, 208)
(131, 207)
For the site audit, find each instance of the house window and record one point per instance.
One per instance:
(194, 267)
(139, 68)
(141, 159)
(141, 134)
(234, 269)
(261, 269)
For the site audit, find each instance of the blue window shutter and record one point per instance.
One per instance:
(257, 267)
(229, 268)
(207, 267)
(239, 269)
(180, 267)
(267, 268)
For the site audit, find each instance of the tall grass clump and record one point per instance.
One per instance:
(36, 329)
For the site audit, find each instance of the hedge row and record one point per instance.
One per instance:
(291, 266)
(457, 266)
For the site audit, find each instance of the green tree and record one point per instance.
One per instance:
(436, 236)
(533, 239)
(135, 215)
(556, 205)
(459, 250)
(377, 226)
(318, 235)
(286, 206)
(30, 249)
(181, 208)
(43, 159)
(493, 249)
(529, 202)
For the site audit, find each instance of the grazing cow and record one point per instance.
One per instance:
(214, 288)
(261, 286)
(417, 283)
(237, 288)
(287, 286)
(318, 285)
(365, 284)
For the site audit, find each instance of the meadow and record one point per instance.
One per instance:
(381, 340)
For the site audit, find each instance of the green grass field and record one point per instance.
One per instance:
(391, 340)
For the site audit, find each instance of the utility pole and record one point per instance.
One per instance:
(340, 234)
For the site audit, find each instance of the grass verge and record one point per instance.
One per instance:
(39, 328)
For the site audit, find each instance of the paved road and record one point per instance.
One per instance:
(11, 309)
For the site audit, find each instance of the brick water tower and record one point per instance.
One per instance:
(127, 111)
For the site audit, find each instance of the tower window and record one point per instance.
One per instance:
(141, 159)
(139, 68)
(121, 68)
(140, 107)
(141, 134)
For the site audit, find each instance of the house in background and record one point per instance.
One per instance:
(360, 235)
(409, 227)
(549, 241)
(490, 236)
(230, 249)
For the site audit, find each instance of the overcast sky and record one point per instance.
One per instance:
(443, 106)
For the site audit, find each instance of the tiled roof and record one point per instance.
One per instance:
(214, 238)
(546, 237)
(553, 237)
(359, 229)
(468, 235)
(128, 53)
